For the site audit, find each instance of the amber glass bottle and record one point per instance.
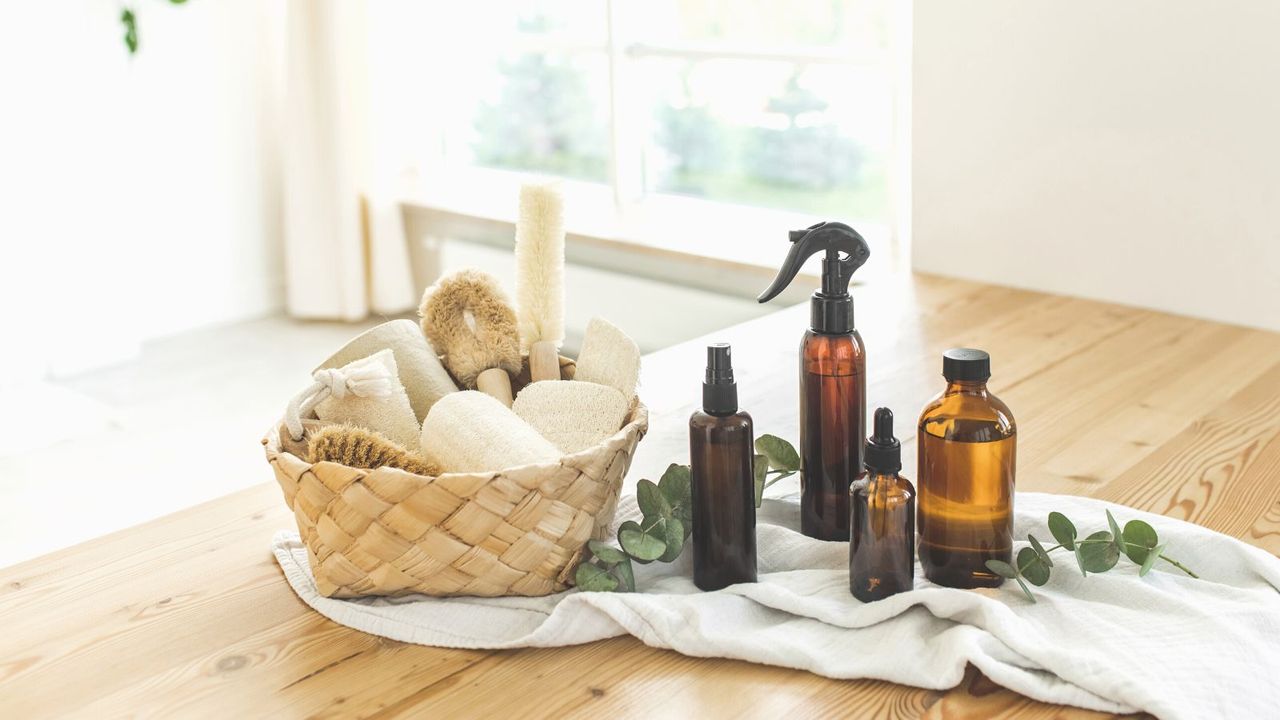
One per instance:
(966, 449)
(833, 421)
(722, 484)
(882, 536)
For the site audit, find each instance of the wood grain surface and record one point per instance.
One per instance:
(190, 616)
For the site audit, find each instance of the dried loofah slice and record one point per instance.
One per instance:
(572, 415)
(360, 448)
(468, 317)
(609, 357)
(471, 432)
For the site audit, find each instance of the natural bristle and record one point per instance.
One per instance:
(540, 264)
(448, 309)
(360, 448)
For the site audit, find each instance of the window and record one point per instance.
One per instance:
(648, 105)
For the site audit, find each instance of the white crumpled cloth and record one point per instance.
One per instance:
(1166, 644)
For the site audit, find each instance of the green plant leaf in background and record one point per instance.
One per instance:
(644, 544)
(1150, 561)
(1063, 530)
(675, 540)
(1035, 545)
(1002, 568)
(782, 455)
(1098, 552)
(1139, 539)
(592, 577)
(651, 500)
(674, 484)
(1033, 567)
(759, 467)
(607, 554)
(130, 22)
(1117, 537)
(626, 575)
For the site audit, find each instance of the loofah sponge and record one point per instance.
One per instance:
(540, 265)
(425, 380)
(359, 448)
(472, 432)
(609, 357)
(572, 415)
(466, 316)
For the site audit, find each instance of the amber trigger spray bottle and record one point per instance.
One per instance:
(722, 483)
(833, 378)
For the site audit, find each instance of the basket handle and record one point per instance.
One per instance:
(364, 379)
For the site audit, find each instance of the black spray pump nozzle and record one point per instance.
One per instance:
(832, 307)
(719, 391)
(883, 451)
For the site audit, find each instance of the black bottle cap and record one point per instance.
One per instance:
(961, 364)
(831, 308)
(884, 452)
(719, 391)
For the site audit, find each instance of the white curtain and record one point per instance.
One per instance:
(345, 254)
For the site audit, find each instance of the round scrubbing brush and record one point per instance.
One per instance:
(540, 277)
(466, 316)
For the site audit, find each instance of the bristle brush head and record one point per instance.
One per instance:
(467, 317)
(540, 264)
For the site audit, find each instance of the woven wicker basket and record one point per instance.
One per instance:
(519, 531)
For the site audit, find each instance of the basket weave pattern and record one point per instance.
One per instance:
(518, 531)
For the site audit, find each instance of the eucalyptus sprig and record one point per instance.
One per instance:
(666, 508)
(1097, 553)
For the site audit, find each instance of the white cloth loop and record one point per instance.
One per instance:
(366, 380)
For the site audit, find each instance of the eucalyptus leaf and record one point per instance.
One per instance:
(1152, 555)
(1139, 539)
(1062, 530)
(1080, 561)
(645, 545)
(674, 540)
(675, 484)
(759, 466)
(1032, 567)
(1117, 537)
(1002, 568)
(782, 454)
(651, 500)
(607, 554)
(1044, 555)
(1025, 589)
(593, 578)
(1099, 553)
(130, 22)
(626, 574)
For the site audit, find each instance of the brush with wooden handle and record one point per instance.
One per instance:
(466, 316)
(540, 277)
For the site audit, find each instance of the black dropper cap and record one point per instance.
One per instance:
(966, 364)
(884, 452)
(719, 391)
(831, 308)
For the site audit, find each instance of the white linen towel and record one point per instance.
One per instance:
(1167, 644)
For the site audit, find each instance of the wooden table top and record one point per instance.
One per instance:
(189, 614)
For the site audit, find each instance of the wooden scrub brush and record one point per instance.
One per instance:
(540, 278)
(466, 316)
(359, 448)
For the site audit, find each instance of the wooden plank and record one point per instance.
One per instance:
(188, 615)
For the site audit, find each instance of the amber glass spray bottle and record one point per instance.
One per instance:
(966, 447)
(723, 486)
(882, 539)
(833, 378)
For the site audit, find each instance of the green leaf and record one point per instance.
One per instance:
(1152, 555)
(1062, 530)
(643, 545)
(1002, 568)
(627, 574)
(178, 2)
(593, 578)
(1139, 539)
(759, 466)
(1098, 552)
(1117, 537)
(130, 22)
(674, 540)
(651, 501)
(1033, 567)
(1025, 589)
(675, 485)
(782, 454)
(1080, 562)
(1044, 555)
(606, 554)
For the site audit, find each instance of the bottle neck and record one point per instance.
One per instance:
(966, 387)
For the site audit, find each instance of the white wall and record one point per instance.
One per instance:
(1126, 151)
(140, 195)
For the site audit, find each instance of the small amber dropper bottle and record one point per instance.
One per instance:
(882, 533)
